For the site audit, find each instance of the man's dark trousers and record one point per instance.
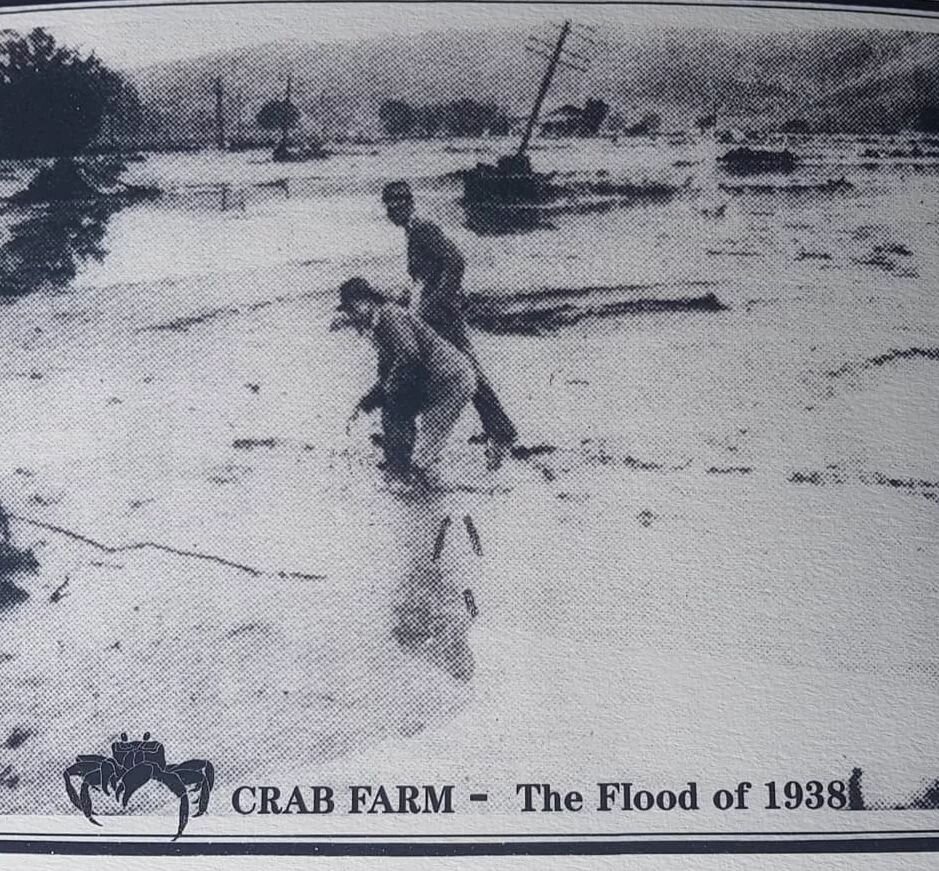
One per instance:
(495, 422)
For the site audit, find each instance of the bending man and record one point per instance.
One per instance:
(435, 262)
(419, 373)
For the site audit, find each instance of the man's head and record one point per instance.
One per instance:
(399, 202)
(357, 303)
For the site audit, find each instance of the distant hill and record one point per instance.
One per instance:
(857, 80)
(901, 93)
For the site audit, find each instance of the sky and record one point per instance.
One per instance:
(133, 38)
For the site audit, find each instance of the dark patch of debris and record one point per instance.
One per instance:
(8, 778)
(59, 593)
(246, 628)
(183, 324)
(13, 561)
(883, 359)
(250, 444)
(16, 738)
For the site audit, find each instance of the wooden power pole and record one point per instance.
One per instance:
(545, 84)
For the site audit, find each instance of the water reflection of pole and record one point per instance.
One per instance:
(433, 606)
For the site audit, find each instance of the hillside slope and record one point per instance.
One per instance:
(834, 79)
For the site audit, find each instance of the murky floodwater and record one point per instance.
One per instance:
(720, 476)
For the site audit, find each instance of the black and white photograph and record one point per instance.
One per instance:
(464, 423)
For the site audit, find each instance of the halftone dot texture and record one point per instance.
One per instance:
(718, 342)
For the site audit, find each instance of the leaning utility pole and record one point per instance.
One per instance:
(545, 84)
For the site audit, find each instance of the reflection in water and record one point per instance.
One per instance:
(47, 245)
(433, 606)
(58, 222)
(485, 220)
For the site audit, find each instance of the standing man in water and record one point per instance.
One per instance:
(435, 262)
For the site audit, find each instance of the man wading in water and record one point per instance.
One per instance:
(419, 373)
(435, 262)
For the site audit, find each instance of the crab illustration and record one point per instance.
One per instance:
(131, 765)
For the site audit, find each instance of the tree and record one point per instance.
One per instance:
(123, 117)
(52, 99)
(462, 117)
(278, 115)
(397, 117)
(593, 115)
(427, 120)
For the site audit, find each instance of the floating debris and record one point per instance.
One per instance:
(883, 359)
(523, 452)
(58, 594)
(250, 444)
(543, 311)
(182, 324)
(473, 534)
(441, 537)
(723, 252)
(470, 601)
(816, 478)
(752, 161)
(730, 470)
(836, 185)
(13, 561)
(715, 211)
(893, 248)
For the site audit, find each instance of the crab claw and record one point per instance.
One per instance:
(131, 781)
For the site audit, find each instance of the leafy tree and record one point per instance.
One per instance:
(463, 117)
(124, 116)
(397, 117)
(278, 115)
(47, 248)
(928, 118)
(593, 115)
(428, 120)
(52, 99)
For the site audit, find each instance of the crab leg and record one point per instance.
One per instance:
(172, 781)
(198, 774)
(108, 774)
(70, 791)
(86, 801)
(208, 781)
